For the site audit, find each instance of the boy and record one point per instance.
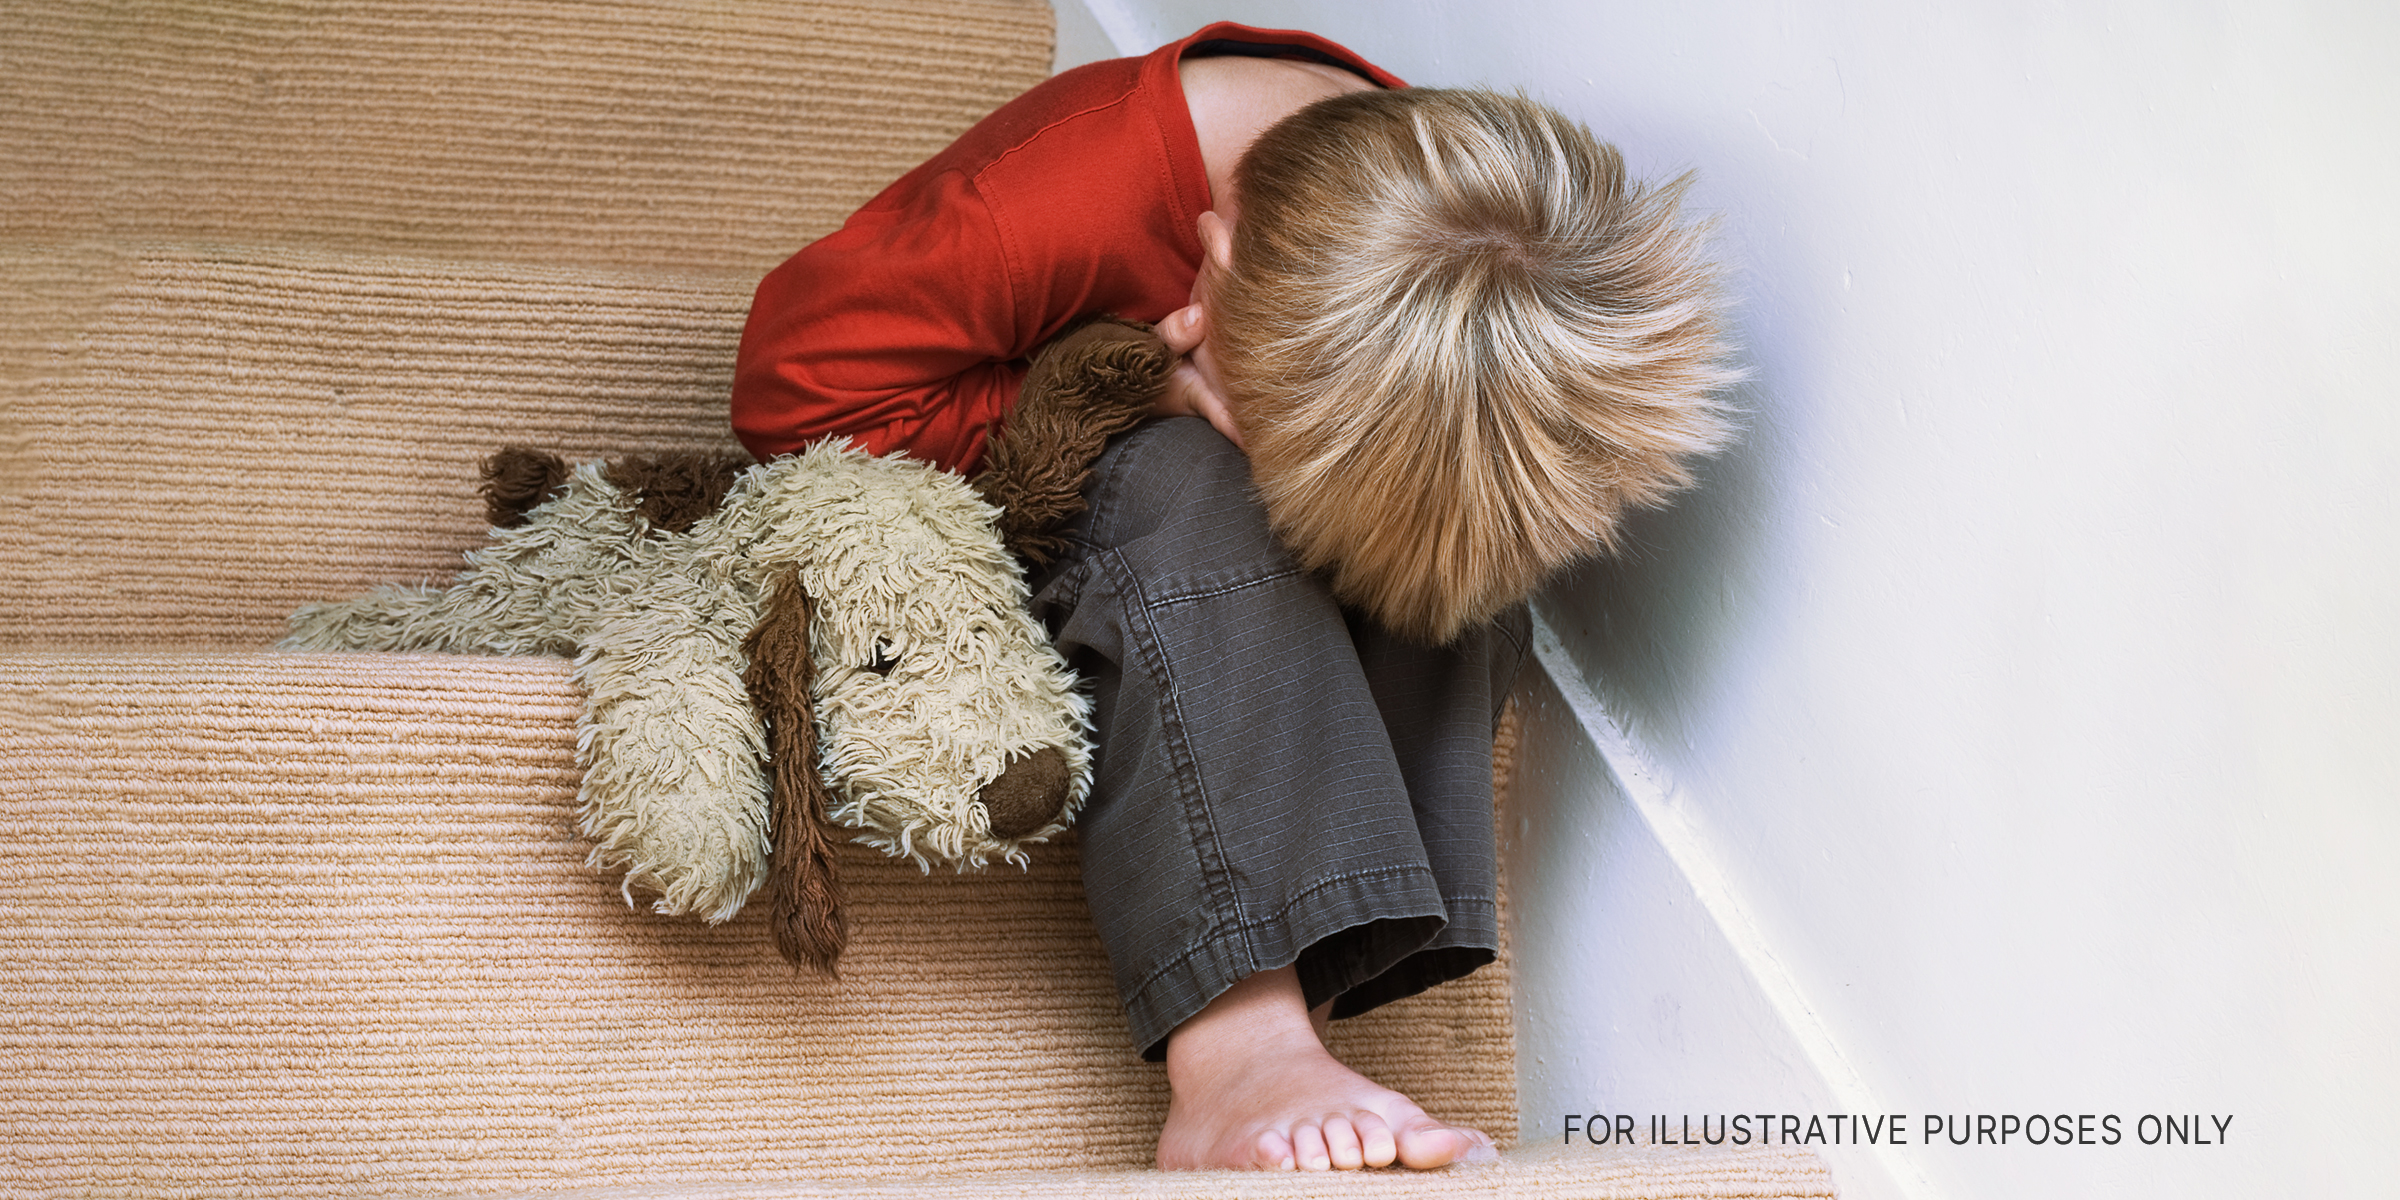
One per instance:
(1453, 344)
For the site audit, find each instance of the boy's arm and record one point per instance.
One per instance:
(899, 330)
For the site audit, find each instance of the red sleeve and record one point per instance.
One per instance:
(898, 330)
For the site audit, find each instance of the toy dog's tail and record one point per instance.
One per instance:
(805, 894)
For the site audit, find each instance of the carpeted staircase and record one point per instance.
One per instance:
(274, 275)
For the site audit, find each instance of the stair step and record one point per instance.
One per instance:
(321, 924)
(224, 435)
(1527, 1173)
(662, 133)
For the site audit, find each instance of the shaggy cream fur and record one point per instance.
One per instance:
(930, 678)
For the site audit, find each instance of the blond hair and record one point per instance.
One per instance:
(1458, 345)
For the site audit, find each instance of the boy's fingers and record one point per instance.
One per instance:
(1183, 329)
(1192, 388)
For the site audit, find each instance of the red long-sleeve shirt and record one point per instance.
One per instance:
(908, 328)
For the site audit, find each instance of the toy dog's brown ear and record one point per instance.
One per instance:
(805, 894)
(516, 481)
(677, 490)
(1089, 384)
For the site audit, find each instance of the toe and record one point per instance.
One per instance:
(1273, 1152)
(1427, 1144)
(1308, 1148)
(1341, 1144)
(1479, 1147)
(1376, 1147)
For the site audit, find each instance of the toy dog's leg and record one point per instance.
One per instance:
(533, 590)
(673, 789)
(388, 618)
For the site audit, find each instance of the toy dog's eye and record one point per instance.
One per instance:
(884, 659)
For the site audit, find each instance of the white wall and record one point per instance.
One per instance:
(2018, 702)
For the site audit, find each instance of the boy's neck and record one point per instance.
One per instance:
(1234, 99)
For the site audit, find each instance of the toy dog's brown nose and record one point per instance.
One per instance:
(1028, 794)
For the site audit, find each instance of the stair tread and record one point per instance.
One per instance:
(319, 924)
(1546, 1172)
(657, 133)
(225, 434)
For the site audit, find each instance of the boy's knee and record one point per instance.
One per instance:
(1171, 446)
(1178, 470)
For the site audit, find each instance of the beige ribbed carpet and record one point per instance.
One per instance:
(1531, 1173)
(713, 135)
(231, 434)
(194, 438)
(312, 925)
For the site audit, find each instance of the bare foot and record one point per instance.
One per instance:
(1254, 1087)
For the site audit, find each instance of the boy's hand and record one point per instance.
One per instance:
(1192, 388)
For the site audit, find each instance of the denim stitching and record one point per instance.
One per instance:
(1228, 589)
(1147, 641)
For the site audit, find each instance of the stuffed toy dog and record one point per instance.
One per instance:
(828, 638)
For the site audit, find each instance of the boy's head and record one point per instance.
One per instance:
(1458, 344)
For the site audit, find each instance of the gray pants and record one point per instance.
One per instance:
(1278, 780)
